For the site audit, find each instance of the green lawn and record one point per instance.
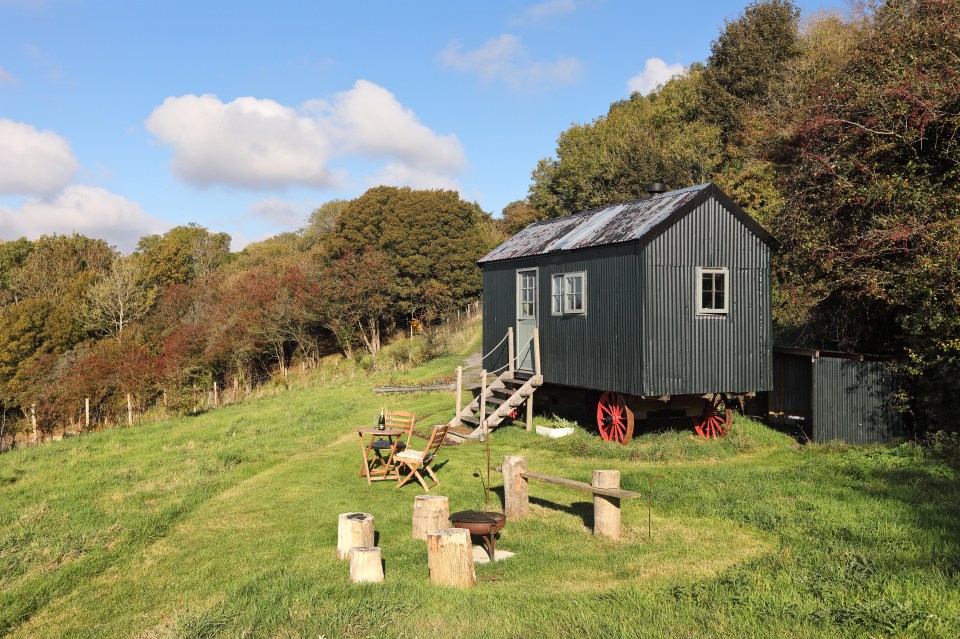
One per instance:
(224, 525)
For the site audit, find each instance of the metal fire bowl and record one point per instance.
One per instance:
(479, 523)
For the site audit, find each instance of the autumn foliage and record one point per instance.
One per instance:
(165, 323)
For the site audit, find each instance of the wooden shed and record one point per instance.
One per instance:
(659, 298)
(832, 396)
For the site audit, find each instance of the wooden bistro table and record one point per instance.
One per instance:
(375, 467)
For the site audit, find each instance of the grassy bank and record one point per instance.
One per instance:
(224, 525)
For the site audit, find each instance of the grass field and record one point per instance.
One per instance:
(224, 525)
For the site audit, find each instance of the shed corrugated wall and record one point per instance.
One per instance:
(599, 350)
(852, 401)
(689, 354)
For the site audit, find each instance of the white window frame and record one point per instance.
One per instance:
(698, 288)
(560, 294)
(521, 315)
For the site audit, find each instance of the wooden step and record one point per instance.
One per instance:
(497, 400)
(514, 383)
(475, 421)
(524, 375)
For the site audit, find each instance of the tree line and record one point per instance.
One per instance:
(80, 321)
(839, 133)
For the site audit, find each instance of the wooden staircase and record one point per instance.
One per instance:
(497, 400)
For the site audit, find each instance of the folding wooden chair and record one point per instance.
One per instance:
(417, 460)
(399, 420)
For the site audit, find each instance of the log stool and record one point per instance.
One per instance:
(450, 558)
(353, 530)
(365, 565)
(430, 512)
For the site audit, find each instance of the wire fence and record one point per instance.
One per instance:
(22, 428)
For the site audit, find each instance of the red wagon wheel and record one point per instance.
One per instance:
(614, 418)
(715, 421)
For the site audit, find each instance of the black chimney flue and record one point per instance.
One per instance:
(655, 188)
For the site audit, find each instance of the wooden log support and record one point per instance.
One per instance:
(366, 567)
(354, 530)
(450, 558)
(430, 512)
(529, 423)
(511, 350)
(606, 509)
(516, 492)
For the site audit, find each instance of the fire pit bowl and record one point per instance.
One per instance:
(481, 524)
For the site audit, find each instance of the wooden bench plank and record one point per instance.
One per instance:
(581, 485)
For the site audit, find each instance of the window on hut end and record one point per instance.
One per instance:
(713, 291)
(569, 294)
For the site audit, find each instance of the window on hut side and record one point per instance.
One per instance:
(569, 294)
(713, 290)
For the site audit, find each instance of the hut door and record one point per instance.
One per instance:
(526, 317)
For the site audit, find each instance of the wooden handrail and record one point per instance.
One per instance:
(581, 485)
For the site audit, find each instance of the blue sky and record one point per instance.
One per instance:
(119, 119)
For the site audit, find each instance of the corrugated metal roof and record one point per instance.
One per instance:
(610, 225)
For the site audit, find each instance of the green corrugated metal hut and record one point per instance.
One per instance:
(835, 396)
(663, 296)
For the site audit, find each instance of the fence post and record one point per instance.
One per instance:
(216, 395)
(459, 393)
(606, 510)
(129, 410)
(33, 422)
(86, 411)
(511, 349)
(516, 492)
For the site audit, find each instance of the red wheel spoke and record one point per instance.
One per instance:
(614, 418)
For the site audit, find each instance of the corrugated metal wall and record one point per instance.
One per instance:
(852, 401)
(689, 354)
(599, 350)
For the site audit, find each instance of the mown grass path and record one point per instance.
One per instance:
(224, 525)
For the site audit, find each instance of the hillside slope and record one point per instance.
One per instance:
(224, 525)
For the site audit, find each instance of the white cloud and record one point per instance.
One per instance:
(279, 212)
(7, 78)
(249, 143)
(369, 120)
(260, 144)
(504, 58)
(399, 174)
(655, 73)
(545, 10)
(89, 210)
(33, 162)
